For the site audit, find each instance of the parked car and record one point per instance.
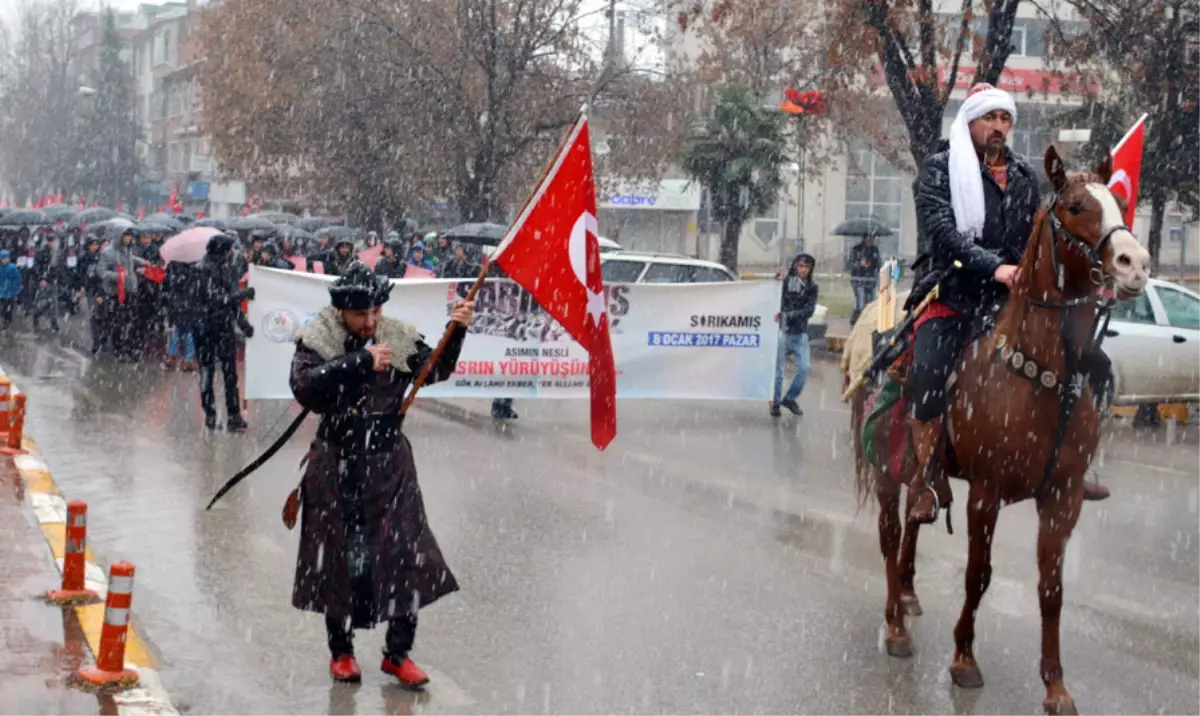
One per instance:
(1154, 344)
(639, 267)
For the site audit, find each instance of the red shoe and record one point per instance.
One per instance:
(410, 675)
(345, 668)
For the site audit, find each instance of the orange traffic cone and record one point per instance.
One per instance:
(12, 418)
(74, 563)
(110, 660)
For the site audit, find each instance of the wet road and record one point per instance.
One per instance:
(711, 560)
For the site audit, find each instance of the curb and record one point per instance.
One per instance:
(50, 508)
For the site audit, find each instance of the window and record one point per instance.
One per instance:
(875, 188)
(1018, 40)
(1137, 310)
(1183, 311)
(669, 273)
(710, 275)
(622, 271)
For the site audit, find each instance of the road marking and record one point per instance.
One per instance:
(31, 463)
(48, 507)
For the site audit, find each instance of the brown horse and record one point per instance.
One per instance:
(1003, 418)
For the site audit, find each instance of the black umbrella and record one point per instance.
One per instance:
(25, 217)
(111, 227)
(335, 233)
(161, 228)
(91, 216)
(312, 223)
(173, 221)
(248, 224)
(58, 212)
(276, 217)
(219, 224)
(294, 233)
(482, 233)
(863, 226)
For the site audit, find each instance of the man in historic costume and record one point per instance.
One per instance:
(367, 553)
(976, 202)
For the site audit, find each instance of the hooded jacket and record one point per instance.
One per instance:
(10, 278)
(799, 299)
(1007, 225)
(106, 267)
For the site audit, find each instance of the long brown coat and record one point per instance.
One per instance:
(331, 375)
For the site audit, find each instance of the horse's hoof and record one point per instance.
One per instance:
(966, 676)
(899, 646)
(912, 606)
(1062, 705)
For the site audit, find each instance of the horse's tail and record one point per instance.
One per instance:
(864, 473)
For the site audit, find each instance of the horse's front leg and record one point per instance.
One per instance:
(1057, 516)
(983, 507)
(908, 561)
(896, 638)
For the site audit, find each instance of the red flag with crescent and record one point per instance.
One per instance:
(552, 250)
(1127, 167)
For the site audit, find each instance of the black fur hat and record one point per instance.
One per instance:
(359, 288)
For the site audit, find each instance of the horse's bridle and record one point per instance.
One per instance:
(1092, 252)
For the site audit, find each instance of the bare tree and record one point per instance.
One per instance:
(38, 89)
(387, 105)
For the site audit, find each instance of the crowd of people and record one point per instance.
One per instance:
(138, 306)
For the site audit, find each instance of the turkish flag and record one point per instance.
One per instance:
(414, 271)
(120, 285)
(553, 252)
(1127, 167)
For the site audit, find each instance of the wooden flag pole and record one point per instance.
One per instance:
(441, 346)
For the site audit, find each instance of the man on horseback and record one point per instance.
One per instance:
(976, 203)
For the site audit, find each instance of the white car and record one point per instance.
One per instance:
(1154, 344)
(639, 267)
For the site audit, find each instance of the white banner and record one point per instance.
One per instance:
(712, 341)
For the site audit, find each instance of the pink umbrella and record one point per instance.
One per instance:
(187, 247)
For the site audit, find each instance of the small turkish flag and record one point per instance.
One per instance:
(553, 252)
(120, 285)
(1127, 167)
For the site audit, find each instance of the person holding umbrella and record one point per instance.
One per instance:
(367, 554)
(864, 274)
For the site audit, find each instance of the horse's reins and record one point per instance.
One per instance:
(1073, 387)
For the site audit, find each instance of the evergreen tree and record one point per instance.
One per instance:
(109, 129)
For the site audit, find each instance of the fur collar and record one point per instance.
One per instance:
(326, 335)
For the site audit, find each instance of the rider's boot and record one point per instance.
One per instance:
(933, 490)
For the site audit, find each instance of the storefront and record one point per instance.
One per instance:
(657, 217)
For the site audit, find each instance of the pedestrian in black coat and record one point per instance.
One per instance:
(217, 294)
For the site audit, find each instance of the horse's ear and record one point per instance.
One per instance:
(1104, 169)
(1056, 172)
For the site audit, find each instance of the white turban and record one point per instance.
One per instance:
(966, 179)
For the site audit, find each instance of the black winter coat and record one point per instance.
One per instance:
(1006, 230)
(216, 293)
(871, 254)
(390, 268)
(179, 286)
(798, 303)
